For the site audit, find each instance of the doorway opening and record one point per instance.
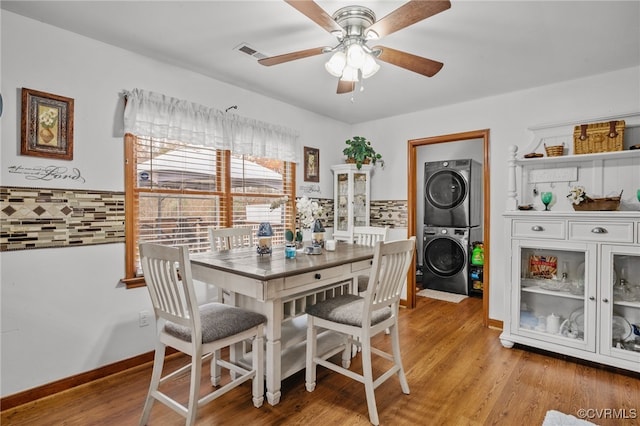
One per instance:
(482, 136)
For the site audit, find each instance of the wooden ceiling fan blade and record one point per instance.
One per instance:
(408, 61)
(408, 14)
(286, 57)
(314, 12)
(346, 86)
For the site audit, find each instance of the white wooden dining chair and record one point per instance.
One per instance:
(229, 238)
(368, 236)
(198, 331)
(221, 239)
(360, 318)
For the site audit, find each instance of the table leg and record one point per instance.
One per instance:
(273, 370)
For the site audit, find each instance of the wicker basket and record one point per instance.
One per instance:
(554, 151)
(598, 137)
(599, 204)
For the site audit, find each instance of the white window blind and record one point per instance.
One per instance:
(181, 190)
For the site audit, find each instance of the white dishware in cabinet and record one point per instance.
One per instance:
(620, 302)
(564, 294)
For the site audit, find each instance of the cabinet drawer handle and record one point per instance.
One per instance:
(592, 298)
(605, 300)
(599, 230)
(537, 228)
(317, 276)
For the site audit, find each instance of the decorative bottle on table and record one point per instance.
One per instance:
(265, 235)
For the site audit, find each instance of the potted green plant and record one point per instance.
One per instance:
(360, 151)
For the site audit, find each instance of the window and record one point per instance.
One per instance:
(175, 192)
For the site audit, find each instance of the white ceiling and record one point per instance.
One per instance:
(488, 47)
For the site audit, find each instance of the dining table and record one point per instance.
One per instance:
(280, 288)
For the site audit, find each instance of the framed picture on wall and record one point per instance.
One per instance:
(47, 125)
(311, 164)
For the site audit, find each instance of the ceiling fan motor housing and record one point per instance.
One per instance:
(354, 20)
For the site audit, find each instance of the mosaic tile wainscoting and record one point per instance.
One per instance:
(43, 218)
(40, 218)
(391, 213)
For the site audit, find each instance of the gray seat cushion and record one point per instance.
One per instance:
(218, 321)
(346, 309)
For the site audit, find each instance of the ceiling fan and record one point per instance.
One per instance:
(354, 26)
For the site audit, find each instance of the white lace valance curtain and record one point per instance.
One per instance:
(156, 115)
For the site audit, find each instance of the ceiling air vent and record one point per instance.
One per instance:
(248, 50)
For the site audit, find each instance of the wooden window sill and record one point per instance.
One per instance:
(134, 282)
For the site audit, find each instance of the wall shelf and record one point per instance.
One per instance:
(581, 158)
(562, 132)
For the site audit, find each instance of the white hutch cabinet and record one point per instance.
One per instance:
(352, 190)
(573, 279)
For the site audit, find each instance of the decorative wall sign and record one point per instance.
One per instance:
(47, 125)
(48, 173)
(309, 189)
(311, 164)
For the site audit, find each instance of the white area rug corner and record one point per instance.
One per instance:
(442, 295)
(556, 418)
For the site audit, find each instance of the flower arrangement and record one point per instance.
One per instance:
(48, 118)
(279, 202)
(308, 211)
(577, 195)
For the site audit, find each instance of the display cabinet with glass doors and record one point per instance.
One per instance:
(351, 199)
(573, 285)
(553, 290)
(620, 300)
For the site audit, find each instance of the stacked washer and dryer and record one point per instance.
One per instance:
(452, 223)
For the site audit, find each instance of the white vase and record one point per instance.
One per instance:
(306, 236)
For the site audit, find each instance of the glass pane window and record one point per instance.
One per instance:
(175, 192)
(171, 165)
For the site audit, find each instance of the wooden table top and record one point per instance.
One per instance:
(246, 262)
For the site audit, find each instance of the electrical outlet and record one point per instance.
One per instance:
(143, 318)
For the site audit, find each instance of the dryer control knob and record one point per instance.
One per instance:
(443, 231)
(445, 163)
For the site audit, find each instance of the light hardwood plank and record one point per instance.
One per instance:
(458, 372)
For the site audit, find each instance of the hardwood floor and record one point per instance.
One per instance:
(458, 372)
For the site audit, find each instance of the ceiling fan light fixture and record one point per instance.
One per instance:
(349, 74)
(336, 64)
(355, 56)
(370, 66)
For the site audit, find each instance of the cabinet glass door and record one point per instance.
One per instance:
(342, 205)
(620, 277)
(360, 202)
(555, 297)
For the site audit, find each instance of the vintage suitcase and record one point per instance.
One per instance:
(598, 137)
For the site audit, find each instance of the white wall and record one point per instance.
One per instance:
(63, 311)
(508, 117)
